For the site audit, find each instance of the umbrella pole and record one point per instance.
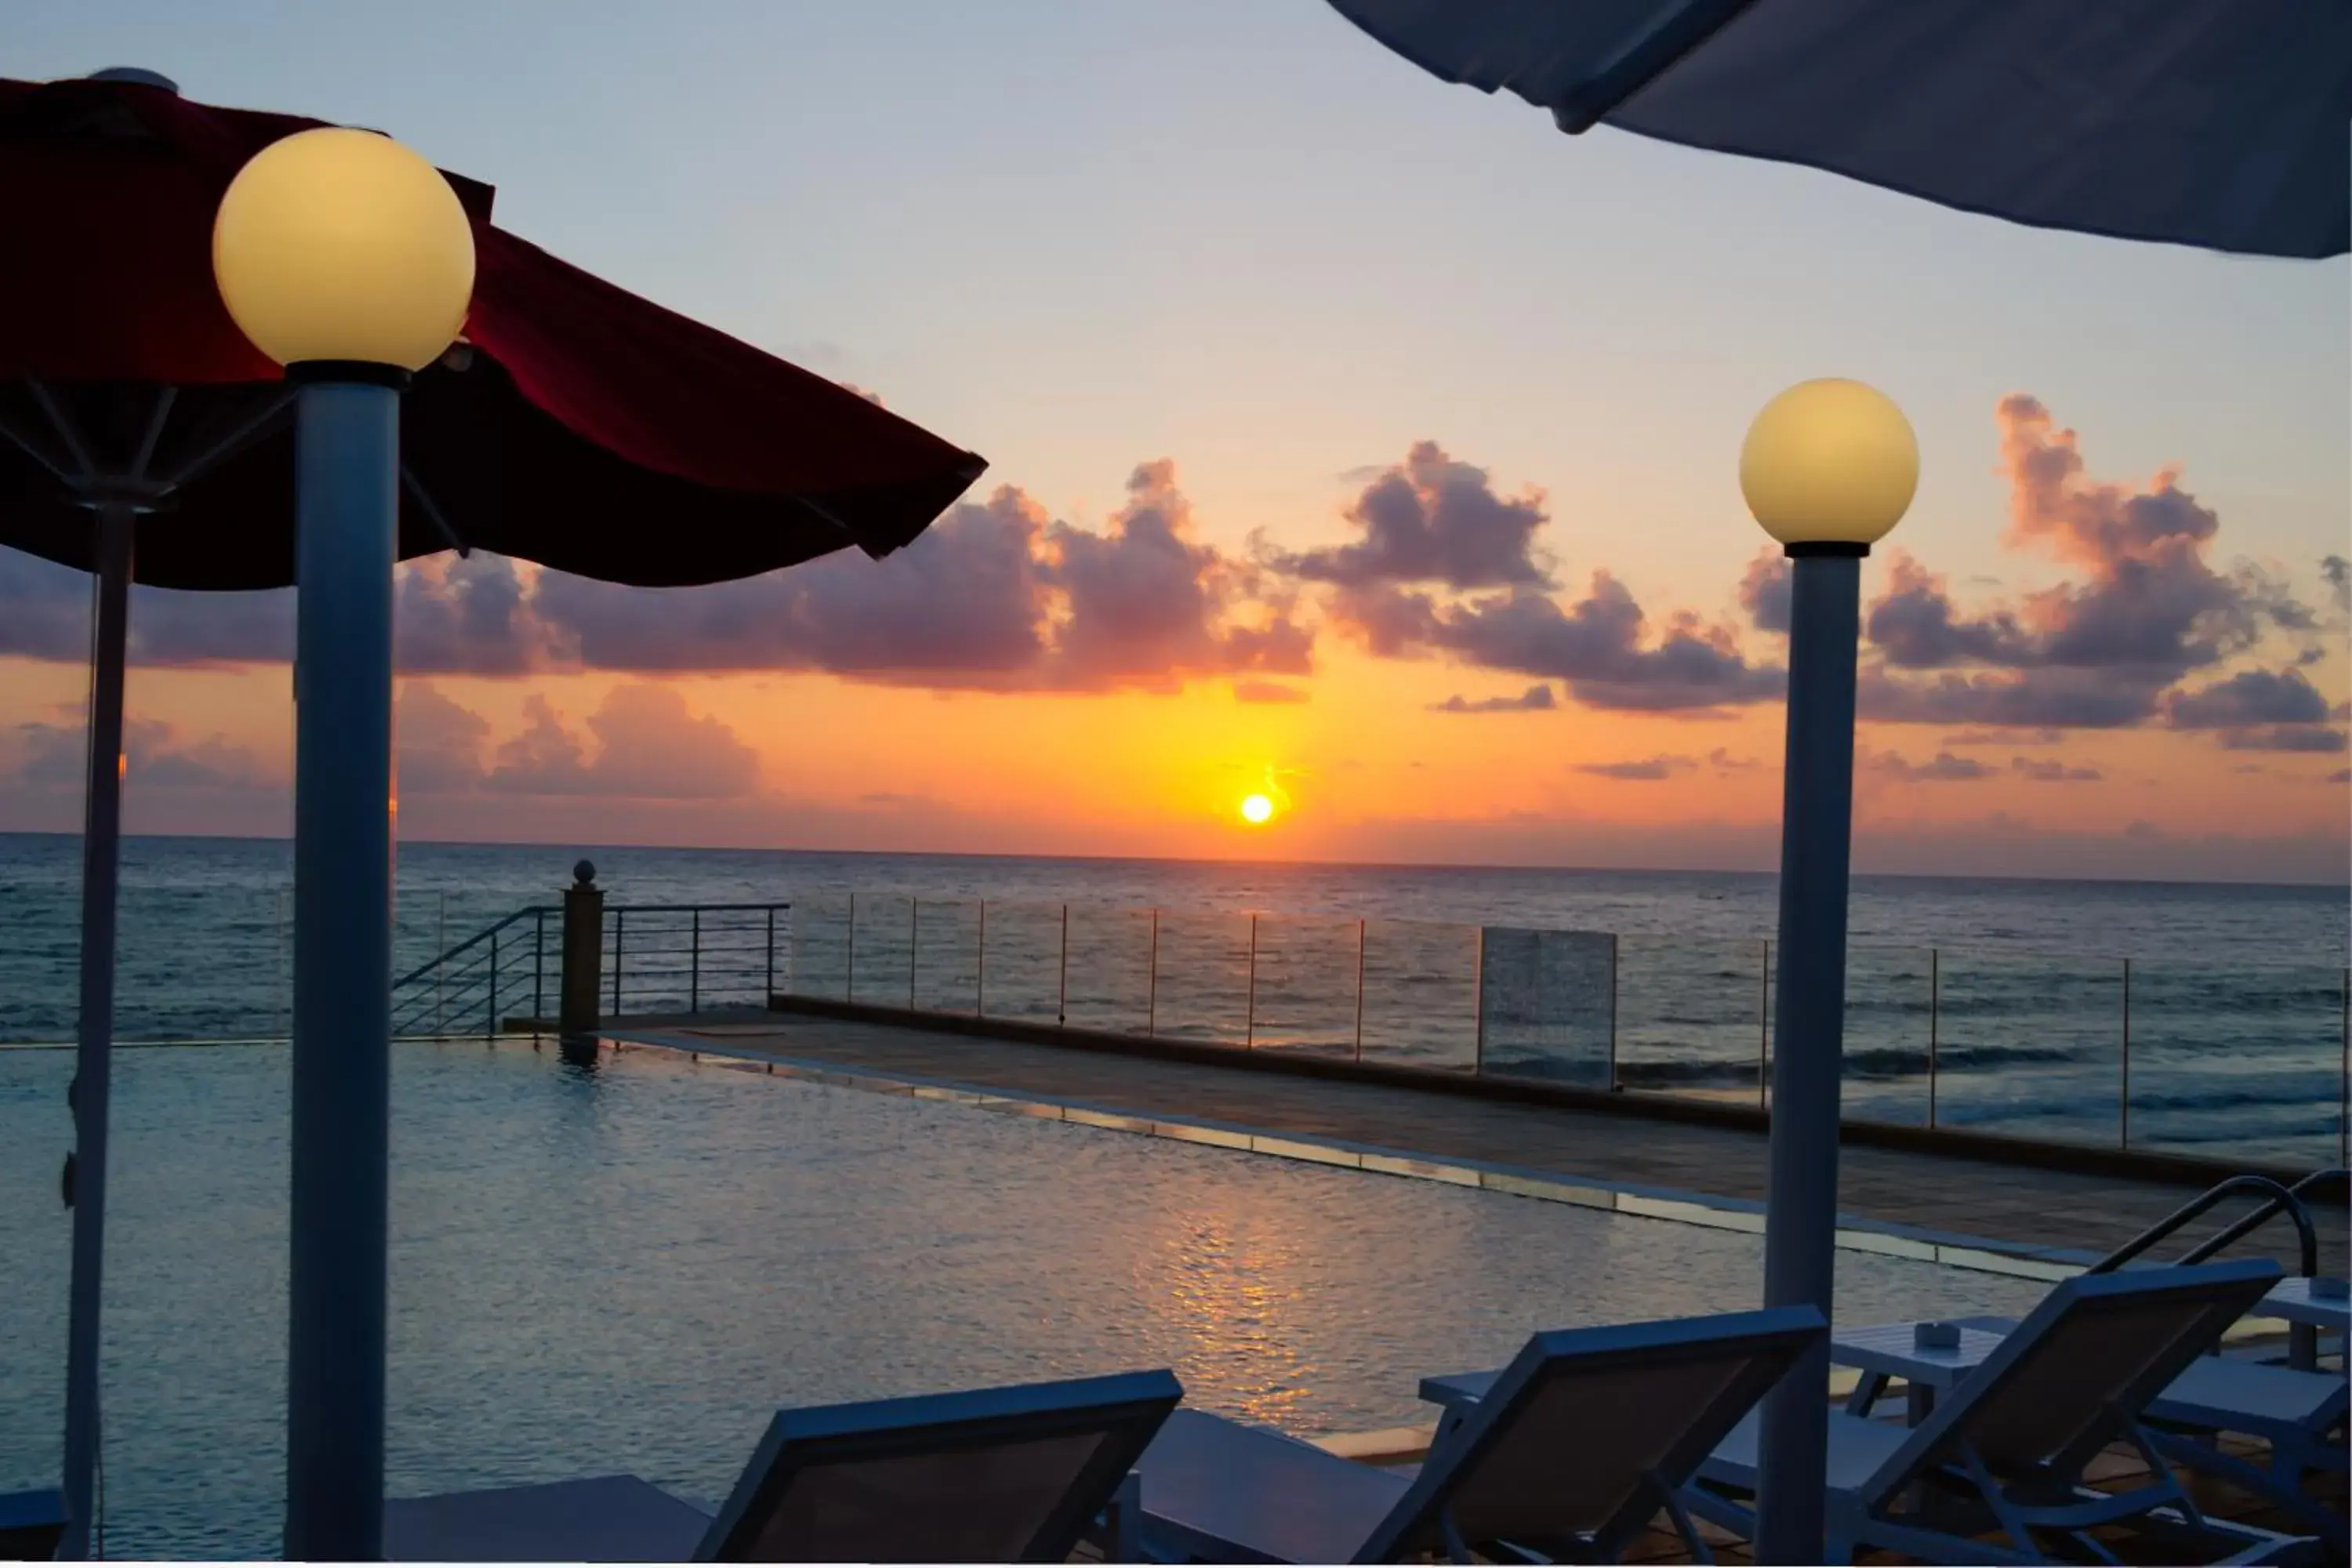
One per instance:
(101, 843)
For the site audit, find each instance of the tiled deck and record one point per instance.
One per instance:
(2026, 1210)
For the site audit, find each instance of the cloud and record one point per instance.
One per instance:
(1647, 771)
(1943, 768)
(1535, 699)
(1145, 604)
(648, 746)
(437, 742)
(2049, 770)
(2283, 738)
(1267, 692)
(2337, 571)
(1966, 738)
(2101, 651)
(55, 757)
(2251, 697)
(994, 595)
(1723, 762)
(1432, 518)
(1601, 646)
(468, 616)
(1913, 626)
(1764, 591)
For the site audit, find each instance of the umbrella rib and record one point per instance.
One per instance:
(164, 398)
(1644, 61)
(237, 438)
(35, 450)
(416, 489)
(64, 427)
(826, 516)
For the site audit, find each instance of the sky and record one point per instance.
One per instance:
(1354, 439)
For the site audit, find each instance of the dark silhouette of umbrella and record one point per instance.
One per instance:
(576, 426)
(2194, 121)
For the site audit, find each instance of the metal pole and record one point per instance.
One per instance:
(1612, 1012)
(1801, 1224)
(94, 1041)
(1061, 1007)
(619, 930)
(538, 966)
(914, 945)
(440, 970)
(2344, 1081)
(1764, 1030)
(849, 964)
(694, 962)
(1359, 990)
(2122, 1103)
(347, 459)
(490, 1024)
(768, 994)
(1249, 1006)
(1934, 1024)
(1152, 983)
(1478, 985)
(980, 967)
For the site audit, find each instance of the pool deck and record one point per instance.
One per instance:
(1900, 1201)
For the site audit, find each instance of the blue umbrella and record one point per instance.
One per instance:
(2220, 123)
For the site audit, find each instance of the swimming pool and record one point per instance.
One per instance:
(628, 1268)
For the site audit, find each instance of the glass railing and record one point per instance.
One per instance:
(2237, 1064)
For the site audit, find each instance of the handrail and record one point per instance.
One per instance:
(2337, 1175)
(2276, 1198)
(430, 965)
(693, 909)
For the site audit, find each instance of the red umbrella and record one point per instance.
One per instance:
(576, 426)
(588, 424)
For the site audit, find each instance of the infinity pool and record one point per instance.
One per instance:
(628, 1268)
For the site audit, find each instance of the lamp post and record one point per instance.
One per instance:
(347, 259)
(1828, 468)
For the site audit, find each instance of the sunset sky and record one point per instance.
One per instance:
(1354, 439)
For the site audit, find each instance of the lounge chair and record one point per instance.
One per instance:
(2299, 1414)
(2004, 1453)
(31, 1525)
(1583, 1439)
(1003, 1475)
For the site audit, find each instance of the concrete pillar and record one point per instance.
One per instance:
(583, 963)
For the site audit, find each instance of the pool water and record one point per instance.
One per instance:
(629, 1267)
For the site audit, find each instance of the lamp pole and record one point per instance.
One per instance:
(347, 259)
(347, 445)
(1829, 467)
(1808, 1032)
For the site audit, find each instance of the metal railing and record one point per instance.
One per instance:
(474, 987)
(685, 958)
(655, 958)
(2196, 1058)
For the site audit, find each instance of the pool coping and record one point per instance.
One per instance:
(1884, 1238)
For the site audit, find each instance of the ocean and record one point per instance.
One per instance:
(2204, 1017)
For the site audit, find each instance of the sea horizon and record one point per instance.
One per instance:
(590, 849)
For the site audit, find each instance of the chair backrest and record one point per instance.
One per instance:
(1570, 1436)
(2086, 1361)
(1001, 1474)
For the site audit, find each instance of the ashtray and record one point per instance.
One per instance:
(2326, 1290)
(1935, 1336)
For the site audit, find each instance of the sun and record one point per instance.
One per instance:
(1257, 808)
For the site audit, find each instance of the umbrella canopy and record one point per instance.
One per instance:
(2219, 125)
(582, 428)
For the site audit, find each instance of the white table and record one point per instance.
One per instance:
(2293, 1300)
(1890, 1349)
